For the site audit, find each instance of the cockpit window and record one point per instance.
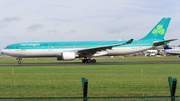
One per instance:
(8, 47)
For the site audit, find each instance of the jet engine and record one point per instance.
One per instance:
(67, 56)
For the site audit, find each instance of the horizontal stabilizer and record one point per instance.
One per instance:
(163, 42)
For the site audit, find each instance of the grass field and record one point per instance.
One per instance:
(104, 80)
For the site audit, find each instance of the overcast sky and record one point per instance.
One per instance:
(84, 20)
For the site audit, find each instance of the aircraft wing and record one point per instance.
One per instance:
(162, 42)
(91, 51)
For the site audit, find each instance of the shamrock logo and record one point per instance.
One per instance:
(159, 30)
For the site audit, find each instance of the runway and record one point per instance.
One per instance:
(98, 63)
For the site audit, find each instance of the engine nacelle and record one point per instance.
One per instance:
(67, 56)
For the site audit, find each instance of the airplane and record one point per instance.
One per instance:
(169, 50)
(88, 49)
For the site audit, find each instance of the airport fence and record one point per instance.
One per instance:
(172, 97)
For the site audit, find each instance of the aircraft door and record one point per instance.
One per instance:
(17, 47)
(139, 43)
(50, 46)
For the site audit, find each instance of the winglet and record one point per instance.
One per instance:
(130, 41)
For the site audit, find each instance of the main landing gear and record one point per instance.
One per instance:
(85, 60)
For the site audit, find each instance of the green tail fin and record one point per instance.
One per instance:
(158, 32)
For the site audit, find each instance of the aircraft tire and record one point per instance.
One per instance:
(88, 61)
(19, 62)
(93, 60)
(84, 60)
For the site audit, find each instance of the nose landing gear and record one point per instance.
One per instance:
(19, 60)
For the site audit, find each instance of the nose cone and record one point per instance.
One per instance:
(7, 52)
(3, 51)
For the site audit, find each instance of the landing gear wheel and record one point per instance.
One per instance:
(93, 60)
(19, 62)
(84, 60)
(88, 60)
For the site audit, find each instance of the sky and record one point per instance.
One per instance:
(84, 20)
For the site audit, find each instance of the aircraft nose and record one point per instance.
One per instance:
(2, 51)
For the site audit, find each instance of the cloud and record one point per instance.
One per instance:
(9, 19)
(6, 21)
(52, 32)
(9, 37)
(120, 29)
(62, 19)
(34, 27)
(72, 31)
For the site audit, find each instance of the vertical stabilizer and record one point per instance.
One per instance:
(158, 32)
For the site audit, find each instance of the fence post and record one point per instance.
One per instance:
(172, 85)
(85, 88)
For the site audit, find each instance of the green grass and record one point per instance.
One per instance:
(99, 99)
(104, 80)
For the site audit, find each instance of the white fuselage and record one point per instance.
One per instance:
(57, 52)
(173, 51)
